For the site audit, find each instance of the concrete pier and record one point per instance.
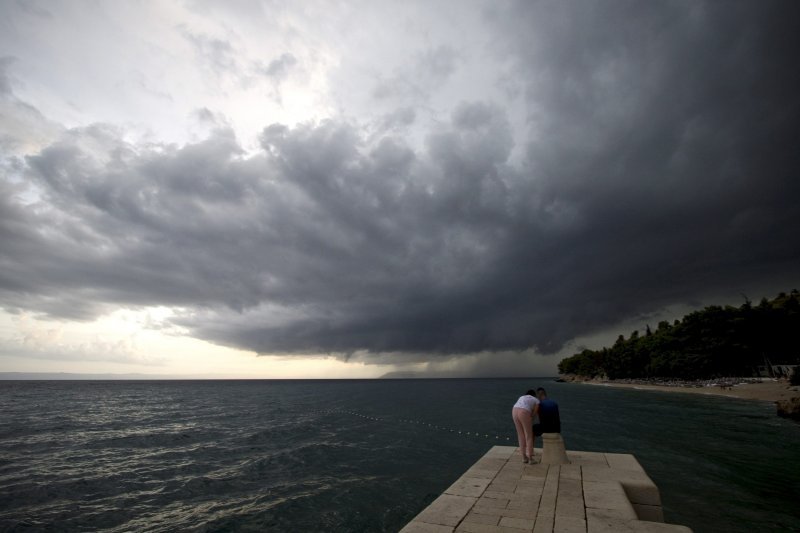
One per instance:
(595, 493)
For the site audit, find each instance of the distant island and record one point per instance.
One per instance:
(718, 341)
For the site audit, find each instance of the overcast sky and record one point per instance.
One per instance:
(319, 189)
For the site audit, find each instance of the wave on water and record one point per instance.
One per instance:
(351, 455)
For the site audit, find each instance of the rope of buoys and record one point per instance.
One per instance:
(471, 434)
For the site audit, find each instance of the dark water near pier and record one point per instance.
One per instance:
(269, 456)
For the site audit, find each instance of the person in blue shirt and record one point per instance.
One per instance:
(549, 420)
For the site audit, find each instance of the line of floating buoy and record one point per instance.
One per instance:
(419, 423)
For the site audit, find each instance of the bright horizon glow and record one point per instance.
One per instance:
(122, 343)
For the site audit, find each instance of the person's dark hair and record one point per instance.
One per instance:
(540, 389)
(531, 392)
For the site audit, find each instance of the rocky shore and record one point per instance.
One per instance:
(790, 408)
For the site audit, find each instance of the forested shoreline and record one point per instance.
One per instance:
(712, 342)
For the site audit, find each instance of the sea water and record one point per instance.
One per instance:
(361, 455)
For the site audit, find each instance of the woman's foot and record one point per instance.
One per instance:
(525, 459)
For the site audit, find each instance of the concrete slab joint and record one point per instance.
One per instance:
(588, 492)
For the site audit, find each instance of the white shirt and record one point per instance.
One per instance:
(527, 402)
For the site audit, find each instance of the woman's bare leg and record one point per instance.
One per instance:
(527, 421)
(520, 415)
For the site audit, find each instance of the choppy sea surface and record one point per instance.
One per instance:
(295, 455)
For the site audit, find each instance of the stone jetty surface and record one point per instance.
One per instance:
(594, 493)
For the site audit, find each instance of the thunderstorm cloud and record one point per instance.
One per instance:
(611, 159)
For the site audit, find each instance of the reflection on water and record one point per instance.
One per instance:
(264, 455)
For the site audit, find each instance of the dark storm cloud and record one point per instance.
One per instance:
(661, 166)
(669, 132)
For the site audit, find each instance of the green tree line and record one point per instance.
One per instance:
(714, 342)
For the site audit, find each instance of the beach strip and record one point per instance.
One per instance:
(767, 391)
